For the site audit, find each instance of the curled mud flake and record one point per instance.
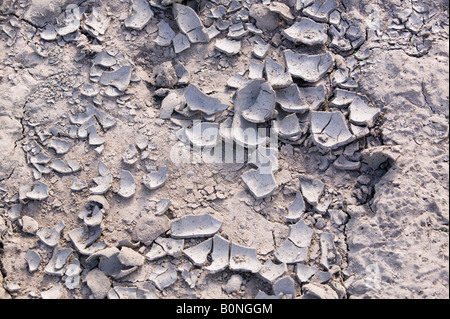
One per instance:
(120, 78)
(198, 254)
(310, 68)
(285, 287)
(244, 259)
(300, 234)
(165, 34)
(84, 237)
(308, 32)
(40, 191)
(271, 271)
(312, 189)
(276, 75)
(189, 23)
(191, 226)
(156, 179)
(220, 254)
(103, 185)
(361, 113)
(173, 247)
(304, 273)
(203, 134)
(329, 130)
(329, 254)
(320, 10)
(261, 182)
(33, 260)
(198, 101)
(227, 46)
(180, 43)
(343, 163)
(59, 166)
(141, 15)
(297, 208)
(290, 253)
(127, 185)
(60, 146)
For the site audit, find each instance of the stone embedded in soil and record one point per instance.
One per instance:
(165, 34)
(276, 75)
(149, 228)
(220, 254)
(320, 10)
(343, 163)
(54, 292)
(192, 226)
(29, 225)
(329, 130)
(260, 182)
(263, 107)
(297, 208)
(189, 23)
(198, 101)
(141, 15)
(33, 260)
(119, 78)
(165, 75)
(156, 179)
(129, 257)
(203, 134)
(40, 191)
(98, 283)
(227, 46)
(310, 68)
(127, 185)
(244, 259)
(307, 31)
(265, 19)
(361, 113)
(233, 284)
(198, 254)
(271, 271)
(312, 189)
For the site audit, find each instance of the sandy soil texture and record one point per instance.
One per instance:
(233, 149)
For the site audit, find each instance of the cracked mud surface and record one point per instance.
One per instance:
(86, 116)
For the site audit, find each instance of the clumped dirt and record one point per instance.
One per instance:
(363, 217)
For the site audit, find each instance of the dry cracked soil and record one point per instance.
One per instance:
(224, 149)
